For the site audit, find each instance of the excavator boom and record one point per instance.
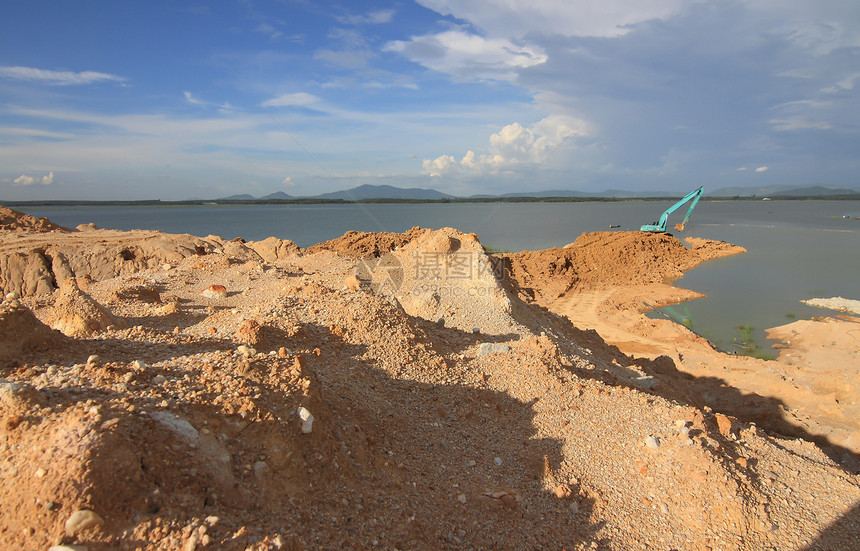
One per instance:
(660, 226)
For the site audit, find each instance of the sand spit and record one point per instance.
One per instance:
(449, 412)
(836, 303)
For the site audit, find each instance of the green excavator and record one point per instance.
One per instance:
(660, 227)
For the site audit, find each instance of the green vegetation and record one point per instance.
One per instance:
(493, 250)
(746, 342)
(790, 315)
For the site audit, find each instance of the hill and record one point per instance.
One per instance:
(277, 195)
(782, 191)
(368, 191)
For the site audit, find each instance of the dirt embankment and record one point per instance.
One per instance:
(605, 281)
(36, 256)
(421, 405)
(601, 260)
(12, 220)
(356, 244)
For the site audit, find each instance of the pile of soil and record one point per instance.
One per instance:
(299, 411)
(22, 333)
(606, 259)
(357, 244)
(14, 221)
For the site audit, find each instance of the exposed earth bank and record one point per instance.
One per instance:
(394, 391)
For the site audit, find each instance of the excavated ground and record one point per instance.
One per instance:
(452, 409)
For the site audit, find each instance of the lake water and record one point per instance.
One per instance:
(797, 249)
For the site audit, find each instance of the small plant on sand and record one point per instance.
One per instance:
(746, 342)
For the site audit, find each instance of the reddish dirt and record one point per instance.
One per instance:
(447, 416)
(356, 244)
(606, 259)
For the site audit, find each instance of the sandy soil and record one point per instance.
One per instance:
(811, 391)
(455, 404)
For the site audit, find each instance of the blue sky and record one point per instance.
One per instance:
(178, 100)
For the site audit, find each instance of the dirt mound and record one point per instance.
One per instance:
(27, 273)
(75, 313)
(446, 277)
(604, 259)
(356, 244)
(32, 264)
(274, 250)
(361, 423)
(14, 221)
(141, 470)
(21, 333)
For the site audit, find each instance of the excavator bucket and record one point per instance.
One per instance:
(679, 227)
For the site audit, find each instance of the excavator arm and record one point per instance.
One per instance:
(660, 226)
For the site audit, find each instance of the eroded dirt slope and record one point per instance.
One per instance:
(479, 422)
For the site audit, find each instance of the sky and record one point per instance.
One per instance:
(177, 100)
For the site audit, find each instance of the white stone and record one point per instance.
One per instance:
(652, 442)
(260, 470)
(307, 420)
(488, 348)
(180, 427)
(81, 520)
(246, 350)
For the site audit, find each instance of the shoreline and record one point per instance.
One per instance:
(161, 386)
(386, 200)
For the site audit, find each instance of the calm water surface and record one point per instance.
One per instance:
(797, 249)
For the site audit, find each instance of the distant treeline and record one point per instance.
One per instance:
(316, 201)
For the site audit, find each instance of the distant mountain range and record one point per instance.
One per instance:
(384, 192)
(367, 191)
(783, 191)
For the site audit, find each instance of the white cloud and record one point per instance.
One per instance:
(819, 27)
(798, 123)
(468, 56)
(608, 18)
(511, 148)
(374, 17)
(58, 78)
(761, 169)
(33, 133)
(191, 99)
(223, 108)
(288, 182)
(846, 83)
(269, 31)
(353, 49)
(741, 169)
(25, 180)
(297, 99)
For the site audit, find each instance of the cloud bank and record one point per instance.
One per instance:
(57, 78)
